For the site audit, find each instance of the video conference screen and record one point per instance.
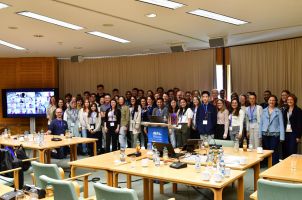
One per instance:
(26, 102)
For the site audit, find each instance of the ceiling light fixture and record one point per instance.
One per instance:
(11, 45)
(3, 5)
(164, 3)
(107, 36)
(49, 20)
(151, 15)
(219, 17)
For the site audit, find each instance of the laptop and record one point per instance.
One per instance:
(156, 119)
(160, 147)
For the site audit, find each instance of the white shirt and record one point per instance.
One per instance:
(185, 117)
(237, 120)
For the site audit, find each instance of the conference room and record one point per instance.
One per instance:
(150, 99)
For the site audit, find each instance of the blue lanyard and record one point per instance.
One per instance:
(205, 107)
(251, 112)
(231, 118)
(159, 112)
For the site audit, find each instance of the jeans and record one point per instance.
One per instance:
(123, 137)
(272, 143)
(254, 136)
(134, 138)
(84, 135)
(172, 138)
(234, 132)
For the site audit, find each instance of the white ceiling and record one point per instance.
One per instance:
(270, 20)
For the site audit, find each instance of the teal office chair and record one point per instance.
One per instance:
(55, 172)
(10, 181)
(273, 190)
(62, 189)
(224, 143)
(104, 192)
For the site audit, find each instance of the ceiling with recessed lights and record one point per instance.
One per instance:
(127, 20)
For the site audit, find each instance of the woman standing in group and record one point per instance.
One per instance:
(51, 109)
(135, 121)
(222, 126)
(83, 116)
(272, 128)
(196, 104)
(112, 125)
(150, 105)
(184, 116)
(283, 101)
(93, 124)
(172, 119)
(125, 114)
(236, 118)
(292, 116)
(144, 118)
(61, 105)
(253, 116)
(71, 115)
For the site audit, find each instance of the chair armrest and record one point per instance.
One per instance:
(85, 176)
(76, 187)
(62, 173)
(33, 178)
(30, 159)
(16, 175)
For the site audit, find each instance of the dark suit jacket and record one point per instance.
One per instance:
(211, 118)
(295, 120)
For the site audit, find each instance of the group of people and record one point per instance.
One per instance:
(115, 120)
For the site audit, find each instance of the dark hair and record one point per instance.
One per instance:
(90, 110)
(100, 85)
(170, 109)
(124, 99)
(115, 90)
(68, 95)
(160, 88)
(198, 99)
(246, 103)
(275, 97)
(252, 94)
(151, 97)
(234, 95)
(268, 91)
(160, 98)
(86, 92)
(115, 110)
(135, 104)
(135, 89)
(93, 94)
(294, 98)
(281, 103)
(181, 109)
(64, 106)
(237, 109)
(140, 101)
(205, 92)
(107, 94)
(141, 91)
(51, 98)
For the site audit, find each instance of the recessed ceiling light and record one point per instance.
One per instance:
(164, 3)
(13, 27)
(11, 45)
(151, 15)
(107, 36)
(219, 17)
(108, 25)
(50, 20)
(38, 36)
(3, 5)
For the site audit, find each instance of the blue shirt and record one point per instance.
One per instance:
(58, 127)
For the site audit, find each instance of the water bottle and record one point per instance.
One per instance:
(157, 159)
(236, 145)
(122, 155)
(197, 163)
(154, 153)
(165, 156)
(150, 152)
(222, 167)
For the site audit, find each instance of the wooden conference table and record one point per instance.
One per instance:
(105, 162)
(253, 160)
(283, 170)
(48, 145)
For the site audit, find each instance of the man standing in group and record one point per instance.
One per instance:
(214, 96)
(58, 126)
(266, 96)
(100, 92)
(103, 109)
(206, 117)
(222, 95)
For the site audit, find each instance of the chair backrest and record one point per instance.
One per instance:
(62, 189)
(104, 192)
(50, 170)
(278, 190)
(224, 143)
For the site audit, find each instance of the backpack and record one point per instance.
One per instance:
(21, 155)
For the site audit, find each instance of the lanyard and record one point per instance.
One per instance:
(251, 112)
(205, 107)
(159, 112)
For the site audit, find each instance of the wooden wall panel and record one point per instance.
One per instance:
(26, 73)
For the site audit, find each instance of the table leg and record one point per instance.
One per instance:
(73, 171)
(110, 178)
(34, 153)
(174, 187)
(151, 189)
(161, 187)
(42, 155)
(146, 189)
(129, 185)
(75, 156)
(217, 193)
(115, 179)
(71, 153)
(85, 186)
(16, 179)
(256, 175)
(48, 156)
(270, 161)
(94, 149)
(240, 189)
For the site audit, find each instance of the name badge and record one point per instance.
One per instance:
(289, 128)
(92, 127)
(72, 124)
(111, 123)
(204, 122)
(179, 126)
(48, 123)
(230, 128)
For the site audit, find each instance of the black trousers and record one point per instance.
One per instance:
(219, 131)
(111, 138)
(98, 135)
